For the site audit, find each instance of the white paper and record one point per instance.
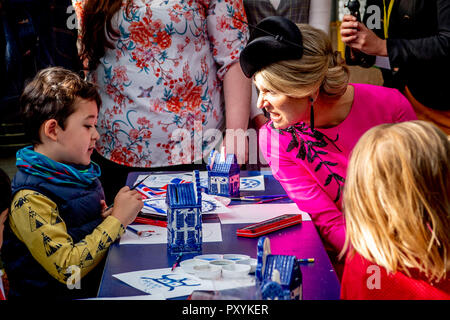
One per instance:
(161, 180)
(211, 204)
(211, 232)
(255, 183)
(177, 283)
(155, 205)
(252, 213)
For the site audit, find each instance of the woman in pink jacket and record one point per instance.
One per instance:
(316, 117)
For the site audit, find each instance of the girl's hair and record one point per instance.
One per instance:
(97, 30)
(397, 198)
(319, 68)
(52, 95)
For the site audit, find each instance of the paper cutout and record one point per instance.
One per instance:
(255, 183)
(211, 232)
(177, 283)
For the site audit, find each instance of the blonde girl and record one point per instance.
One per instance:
(397, 207)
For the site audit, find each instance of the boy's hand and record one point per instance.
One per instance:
(127, 205)
(105, 212)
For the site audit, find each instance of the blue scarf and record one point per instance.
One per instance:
(37, 164)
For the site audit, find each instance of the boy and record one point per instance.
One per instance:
(58, 230)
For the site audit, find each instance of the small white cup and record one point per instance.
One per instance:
(235, 257)
(188, 265)
(221, 263)
(209, 257)
(207, 271)
(235, 271)
(250, 261)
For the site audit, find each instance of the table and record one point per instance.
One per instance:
(320, 281)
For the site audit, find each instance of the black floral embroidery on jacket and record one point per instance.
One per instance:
(307, 149)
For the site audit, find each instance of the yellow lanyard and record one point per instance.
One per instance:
(387, 17)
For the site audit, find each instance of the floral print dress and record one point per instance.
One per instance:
(164, 76)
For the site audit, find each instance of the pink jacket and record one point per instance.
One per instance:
(313, 170)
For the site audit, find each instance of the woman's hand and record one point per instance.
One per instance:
(237, 93)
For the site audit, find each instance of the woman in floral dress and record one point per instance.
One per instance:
(168, 78)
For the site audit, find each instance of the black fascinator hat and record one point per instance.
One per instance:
(273, 39)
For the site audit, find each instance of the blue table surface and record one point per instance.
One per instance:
(320, 281)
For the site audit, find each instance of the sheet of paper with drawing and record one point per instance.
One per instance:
(177, 283)
(154, 189)
(210, 204)
(162, 180)
(211, 232)
(255, 183)
(158, 182)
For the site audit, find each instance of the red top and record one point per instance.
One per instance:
(364, 280)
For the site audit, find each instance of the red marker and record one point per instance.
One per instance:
(270, 200)
(177, 261)
(143, 233)
(152, 222)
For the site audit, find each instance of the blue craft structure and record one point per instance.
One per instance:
(279, 276)
(223, 174)
(184, 216)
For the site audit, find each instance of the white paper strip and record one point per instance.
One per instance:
(252, 213)
(211, 232)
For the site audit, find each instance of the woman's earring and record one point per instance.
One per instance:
(311, 119)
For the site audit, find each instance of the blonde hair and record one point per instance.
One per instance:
(396, 198)
(319, 68)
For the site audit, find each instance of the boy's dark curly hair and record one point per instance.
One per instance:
(52, 95)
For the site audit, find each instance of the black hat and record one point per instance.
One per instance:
(273, 39)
